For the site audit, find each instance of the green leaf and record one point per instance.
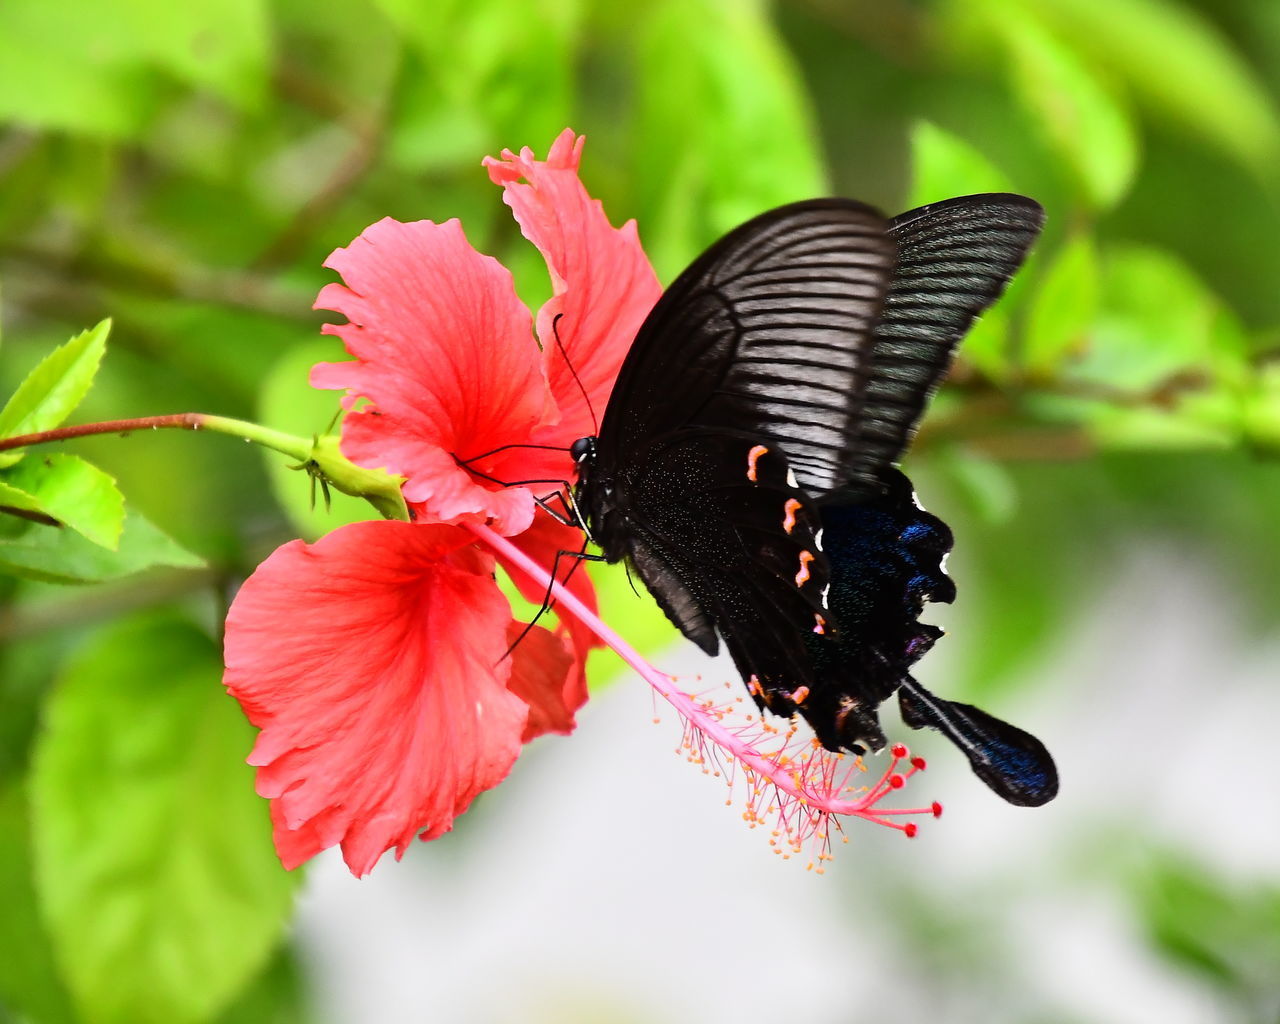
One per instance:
(1262, 409)
(1013, 562)
(39, 90)
(1158, 321)
(223, 46)
(276, 996)
(1227, 934)
(1063, 307)
(1178, 65)
(216, 45)
(224, 347)
(29, 657)
(724, 130)
(15, 498)
(29, 981)
(986, 346)
(944, 165)
(161, 892)
(1079, 116)
(74, 492)
(490, 71)
(1194, 422)
(57, 555)
(54, 388)
(987, 484)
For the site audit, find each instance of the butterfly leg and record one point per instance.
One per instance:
(548, 602)
(570, 515)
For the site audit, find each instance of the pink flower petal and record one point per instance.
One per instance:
(372, 663)
(540, 664)
(542, 541)
(448, 365)
(602, 280)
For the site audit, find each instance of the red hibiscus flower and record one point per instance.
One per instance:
(375, 662)
(372, 661)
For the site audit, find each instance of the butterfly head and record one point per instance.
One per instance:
(583, 451)
(592, 494)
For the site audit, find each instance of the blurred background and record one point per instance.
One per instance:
(1105, 452)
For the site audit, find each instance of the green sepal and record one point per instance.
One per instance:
(376, 486)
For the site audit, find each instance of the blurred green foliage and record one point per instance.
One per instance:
(185, 169)
(138, 719)
(1222, 931)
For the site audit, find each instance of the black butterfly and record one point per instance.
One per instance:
(745, 466)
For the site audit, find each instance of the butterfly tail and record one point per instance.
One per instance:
(1013, 763)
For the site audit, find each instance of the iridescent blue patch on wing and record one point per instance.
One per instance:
(885, 556)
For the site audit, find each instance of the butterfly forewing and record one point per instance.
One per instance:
(954, 260)
(767, 333)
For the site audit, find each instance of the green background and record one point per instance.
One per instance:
(184, 168)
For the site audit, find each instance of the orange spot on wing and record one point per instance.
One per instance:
(789, 517)
(802, 577)
(753, 457)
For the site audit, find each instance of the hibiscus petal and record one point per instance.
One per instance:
(602, 280)
(447, 361)
(372, 661)
(542, 541)
(540, 664)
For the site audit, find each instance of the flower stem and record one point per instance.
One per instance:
(319, 456)
(297, 447)
(801, 785)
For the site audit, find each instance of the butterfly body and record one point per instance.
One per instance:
(745, 467)
(731, 523)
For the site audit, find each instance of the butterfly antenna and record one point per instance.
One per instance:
(555, 333)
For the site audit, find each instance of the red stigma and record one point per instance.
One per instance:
(896, 781)
(937, 809)
(910, 829)
(919, 764)
(898, 750)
